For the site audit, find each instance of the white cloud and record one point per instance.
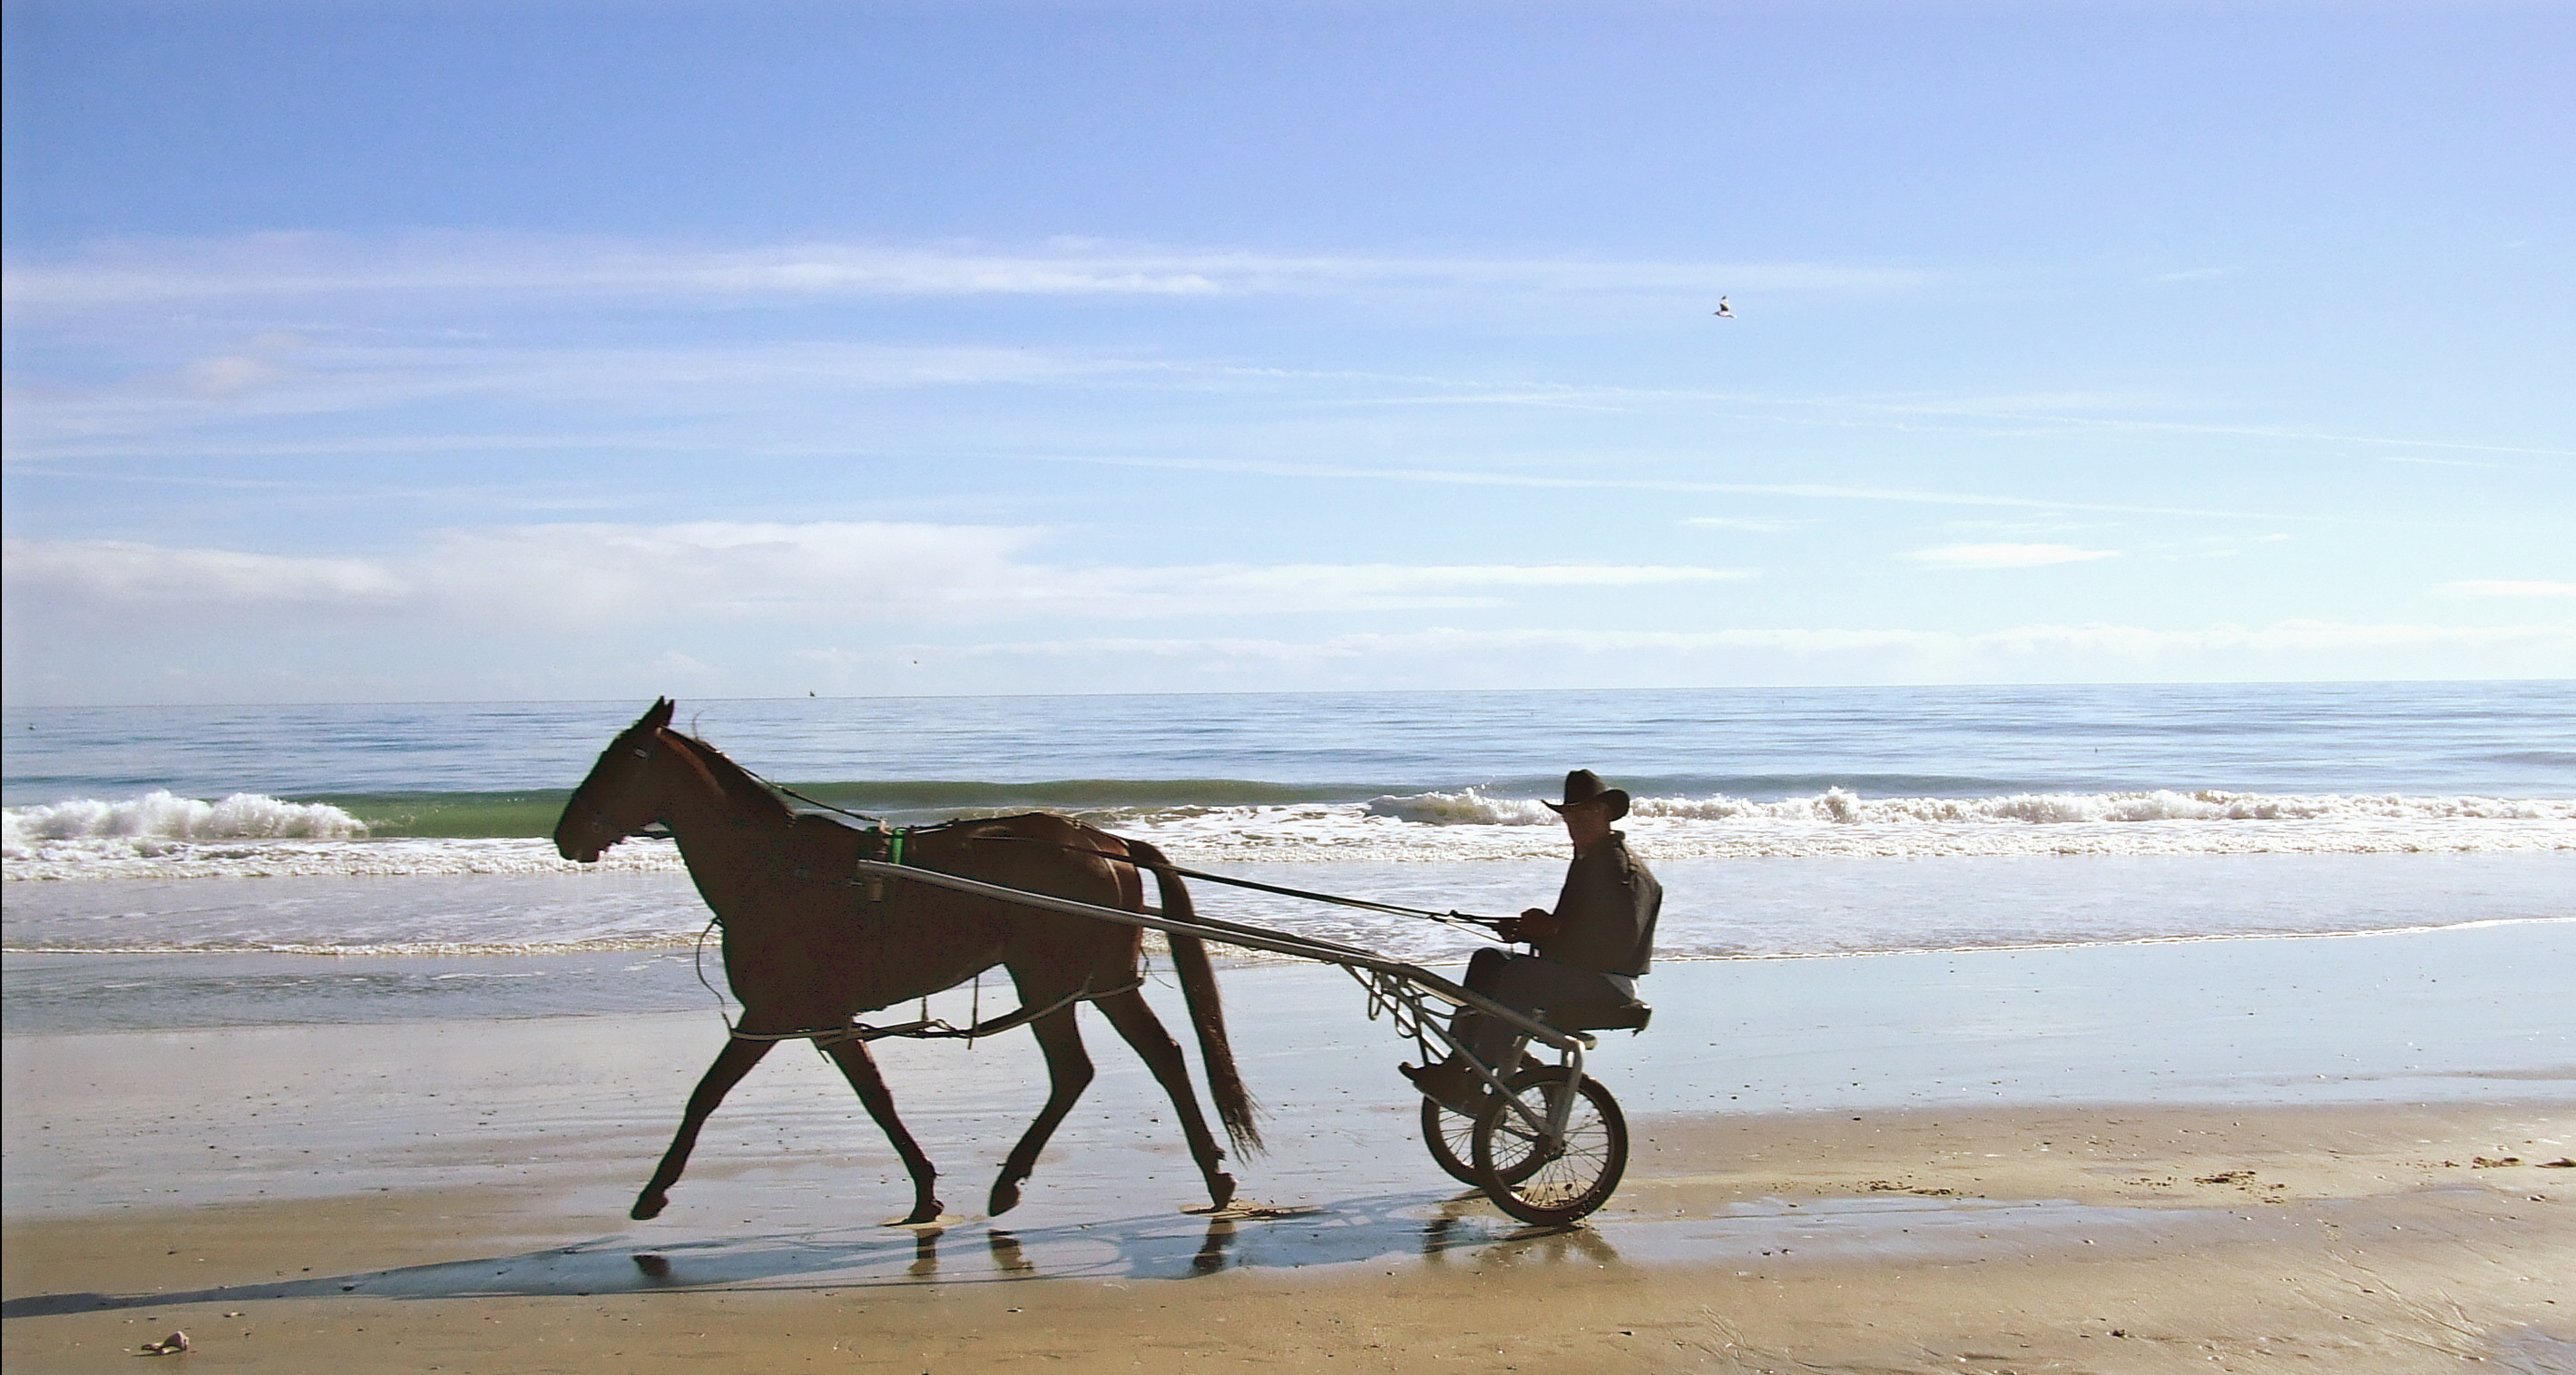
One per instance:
(2006, 555)
(62, 573)
(605, 576)
(2511, 589)
(231, 374)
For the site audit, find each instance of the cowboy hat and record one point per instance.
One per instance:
(1583, 785)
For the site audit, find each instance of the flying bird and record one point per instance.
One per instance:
(1724, 310)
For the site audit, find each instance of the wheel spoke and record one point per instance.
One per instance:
(1556, 1183)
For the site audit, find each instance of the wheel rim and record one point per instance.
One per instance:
(1545, 1184)
(1452, 1139)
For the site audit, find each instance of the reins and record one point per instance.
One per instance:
(1449, 918)
(1452, 918)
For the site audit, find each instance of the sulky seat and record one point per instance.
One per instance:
(1628, 1016)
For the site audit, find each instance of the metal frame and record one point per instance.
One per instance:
(1399, 989)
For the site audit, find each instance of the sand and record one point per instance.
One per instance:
(2225, 1192)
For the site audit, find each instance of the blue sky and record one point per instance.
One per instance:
(452, 350)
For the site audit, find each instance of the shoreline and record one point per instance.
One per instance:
(464, 949)
(2458, 1015)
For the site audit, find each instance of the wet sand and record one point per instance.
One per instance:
(2245, 1155)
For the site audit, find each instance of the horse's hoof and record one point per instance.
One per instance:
(1006, 1196)
(648, 1207)
(1220, 1192)
(927, 1212)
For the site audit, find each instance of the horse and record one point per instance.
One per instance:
(807, 948)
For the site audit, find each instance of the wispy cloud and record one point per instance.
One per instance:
(1816, 490)
(603, 576)
(2437, 462)
(1757, 525)
(277, 382)
(2477, 588)
(2006, 555)
(88, 572)
(305, 265)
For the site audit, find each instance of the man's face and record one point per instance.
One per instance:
(1587, 821)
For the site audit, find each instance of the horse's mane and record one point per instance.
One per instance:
(736, 781)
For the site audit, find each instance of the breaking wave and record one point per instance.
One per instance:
(160, 819)
(1837, 806)
(247, 836)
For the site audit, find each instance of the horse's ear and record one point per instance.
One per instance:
(660, 715)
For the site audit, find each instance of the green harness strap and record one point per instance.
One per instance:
(890, 845)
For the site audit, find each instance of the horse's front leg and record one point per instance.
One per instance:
(860, 1068)
(733, 1062)
(1135, 1020)
(1068, 1074)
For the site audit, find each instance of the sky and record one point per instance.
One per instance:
(396, 350)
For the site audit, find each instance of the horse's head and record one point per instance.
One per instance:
(612, 803)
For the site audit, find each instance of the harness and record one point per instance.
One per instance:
(933, 1028)
(884, 843)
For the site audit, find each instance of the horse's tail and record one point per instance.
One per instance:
(1234, 1105)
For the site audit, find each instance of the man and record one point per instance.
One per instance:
(1592, 947)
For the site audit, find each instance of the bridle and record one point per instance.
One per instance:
(599, 815)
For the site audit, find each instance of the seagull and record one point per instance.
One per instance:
(1724, 310)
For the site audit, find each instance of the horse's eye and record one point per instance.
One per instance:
(642, 753)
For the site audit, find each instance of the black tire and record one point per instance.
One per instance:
(1551, 1188)
(1452, 1139)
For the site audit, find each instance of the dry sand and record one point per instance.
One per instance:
(447, 1197)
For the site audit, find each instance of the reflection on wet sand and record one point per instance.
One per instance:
(1152, 1247)
(1008, 1257)
(1212, 1249)
(1550, 1246)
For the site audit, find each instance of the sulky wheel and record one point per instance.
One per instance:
(1543, 1185)
(1451, 1137)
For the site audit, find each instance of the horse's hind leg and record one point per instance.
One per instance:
(860, 1068)
(1135, 1020)
(733, 1062)
(1068, 1074)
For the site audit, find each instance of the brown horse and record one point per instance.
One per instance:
(807, 949)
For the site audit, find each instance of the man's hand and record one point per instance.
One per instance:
(1536, 924)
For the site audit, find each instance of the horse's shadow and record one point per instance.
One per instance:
(1164, 1246)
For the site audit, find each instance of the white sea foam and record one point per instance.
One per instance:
(160, 821)
(161, 836)
(1471, 807)
(390, 858)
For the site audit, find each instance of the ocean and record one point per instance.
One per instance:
(188, 867)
